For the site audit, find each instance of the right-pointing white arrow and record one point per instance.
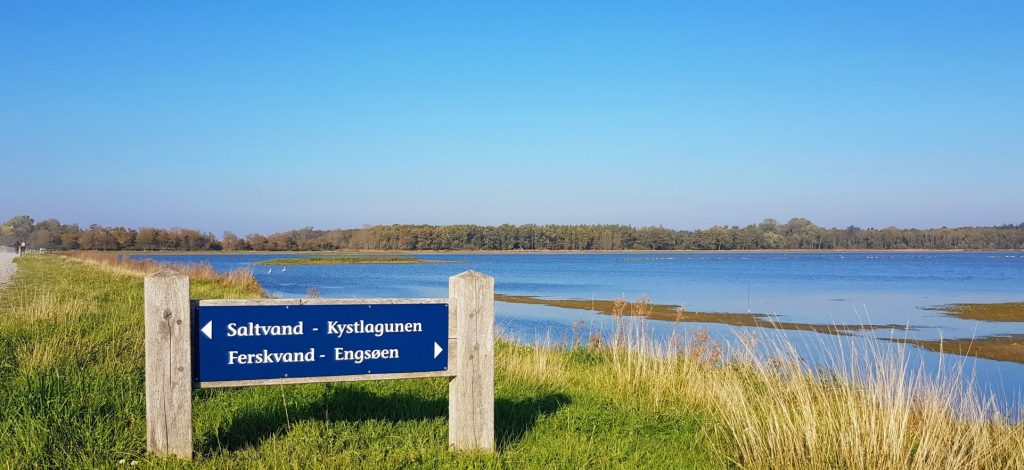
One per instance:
(207, 330)
(437, 349)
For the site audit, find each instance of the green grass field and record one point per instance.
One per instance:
(71, 396)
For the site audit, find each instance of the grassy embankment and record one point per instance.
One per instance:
(71, 395)
(344, 260)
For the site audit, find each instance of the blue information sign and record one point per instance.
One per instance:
(255, 342)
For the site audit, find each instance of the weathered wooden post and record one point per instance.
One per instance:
(471, 392)
(168, 365)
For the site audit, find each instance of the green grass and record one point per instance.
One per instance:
(343, 260)
(71, 396)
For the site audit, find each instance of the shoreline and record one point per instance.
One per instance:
(548, 252)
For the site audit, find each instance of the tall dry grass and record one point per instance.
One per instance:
(870, 408)
(241, 279)
(874, 409)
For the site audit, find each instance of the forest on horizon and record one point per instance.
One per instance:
(797, 233)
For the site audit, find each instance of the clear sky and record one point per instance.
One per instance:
(253, 116)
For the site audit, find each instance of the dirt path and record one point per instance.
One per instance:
(7, 267)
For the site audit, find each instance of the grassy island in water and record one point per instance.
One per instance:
(1000, 312)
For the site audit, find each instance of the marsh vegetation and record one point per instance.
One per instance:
(1002, 311)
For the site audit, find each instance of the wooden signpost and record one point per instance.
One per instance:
(231, 343)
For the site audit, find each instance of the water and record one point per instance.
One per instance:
(818, 288)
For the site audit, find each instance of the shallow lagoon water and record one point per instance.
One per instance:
(820, 288)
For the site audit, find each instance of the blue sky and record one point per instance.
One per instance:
(251, 116)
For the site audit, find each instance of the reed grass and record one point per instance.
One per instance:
(241, 278)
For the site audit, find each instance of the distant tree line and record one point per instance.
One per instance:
(798, 233)
(50, 234)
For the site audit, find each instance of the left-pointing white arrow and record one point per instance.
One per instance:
(207, 330)
(437, 349)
